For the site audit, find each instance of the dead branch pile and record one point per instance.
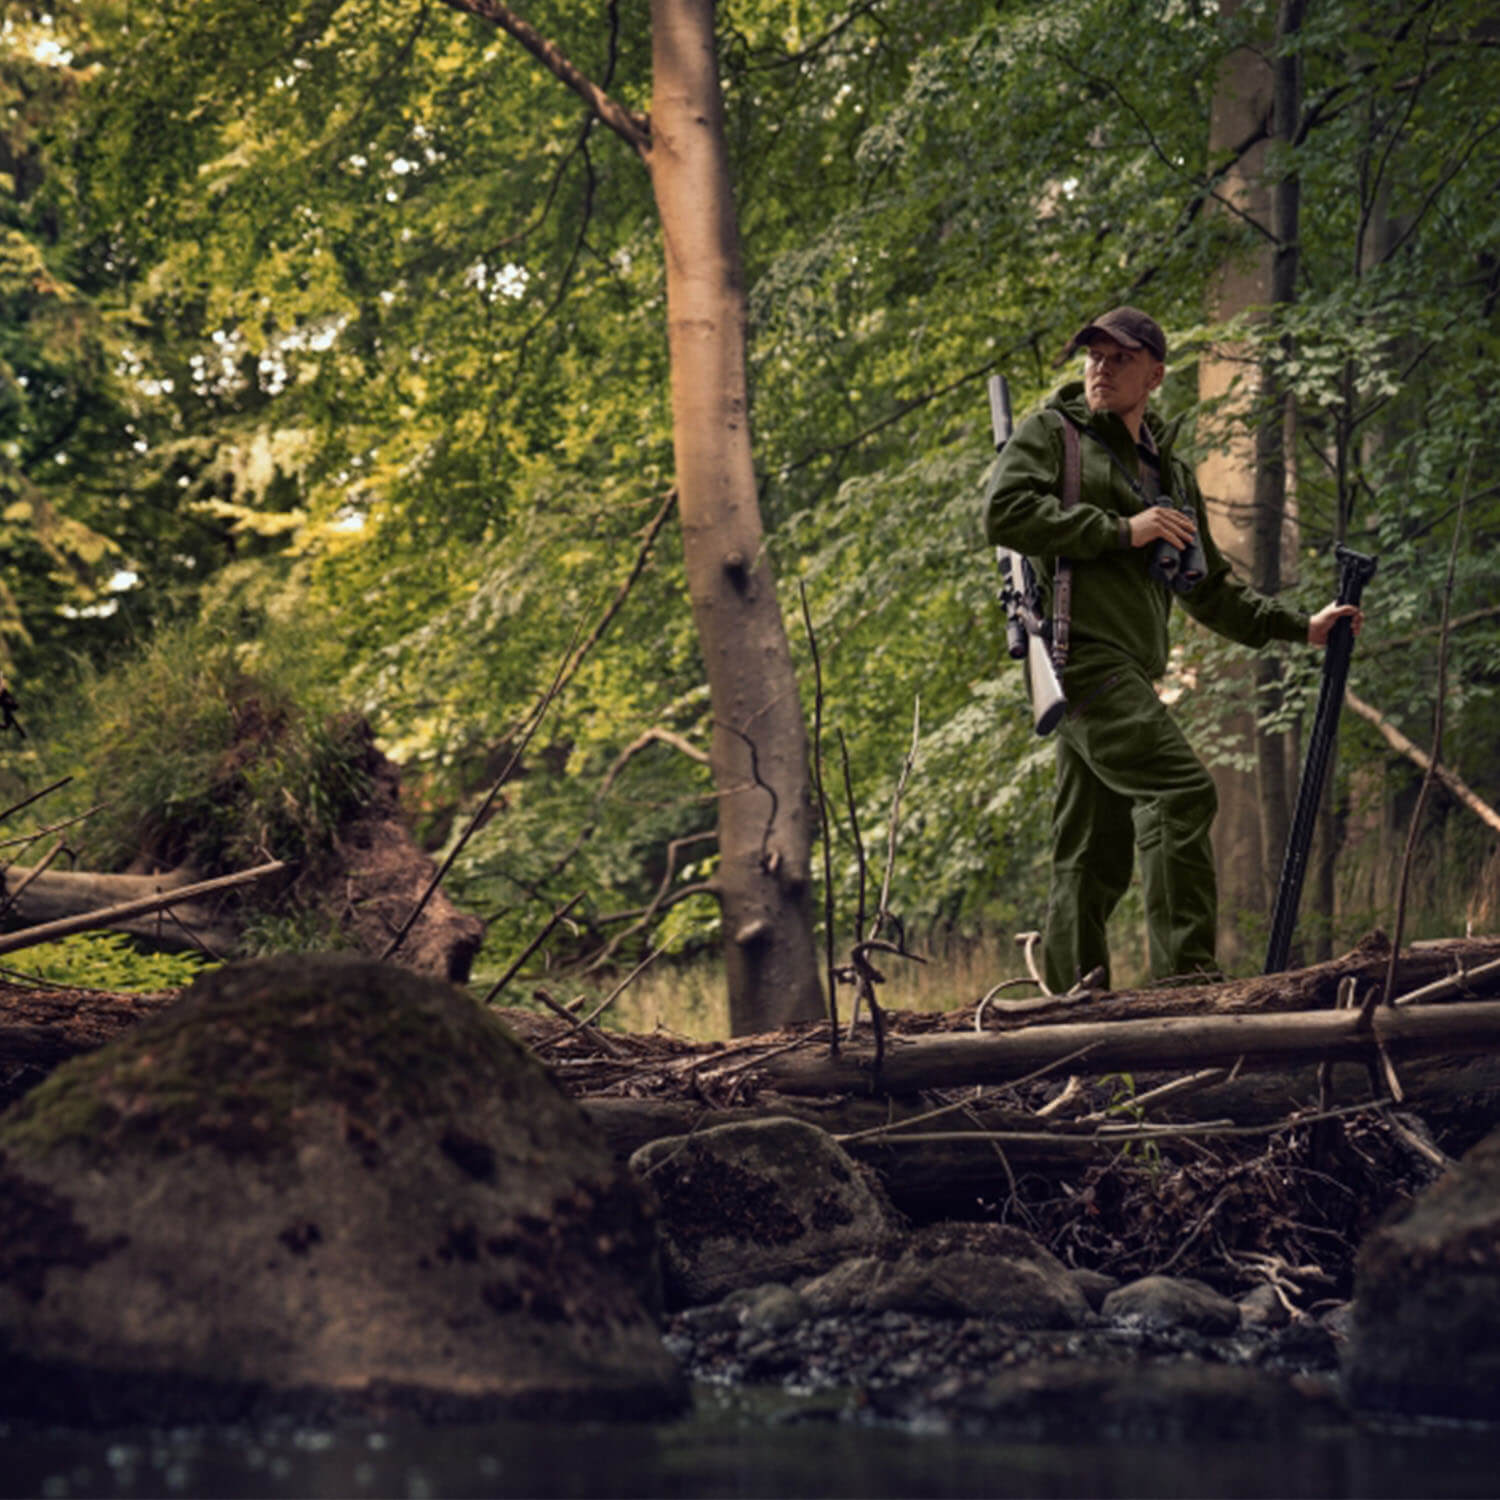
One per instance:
(1246, 1168)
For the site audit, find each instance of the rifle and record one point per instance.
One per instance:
(1355, 571)
(1028, 634)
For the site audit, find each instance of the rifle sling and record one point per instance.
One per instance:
(1062, 577)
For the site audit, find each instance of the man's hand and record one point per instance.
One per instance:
(1162, 523)
(1320, 627)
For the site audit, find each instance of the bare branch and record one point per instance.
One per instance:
(825, 827)
(634, 129)
(572, 659)
(1414, 753)
(107, 916)
(529, 949)
(34, 797)
(41, 833)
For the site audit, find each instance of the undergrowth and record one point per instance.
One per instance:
(105, 961)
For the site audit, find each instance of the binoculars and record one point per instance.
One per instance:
(1181, 569)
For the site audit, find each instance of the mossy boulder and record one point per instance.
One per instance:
(759, 1201)
(320, 1184)
(1425, 1332)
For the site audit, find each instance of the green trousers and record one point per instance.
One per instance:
(1128, 780)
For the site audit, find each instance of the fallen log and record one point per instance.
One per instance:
(40, 1028)
(913, 1064)
(48, 896)
(145, 905)
(1313, 988)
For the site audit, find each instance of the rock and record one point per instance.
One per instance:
(1425, 1334)
(1339, 1322)
(766, 1200)
(957, 1270)
(321, 1185)
(1171, 1302)
(774, 1309)
(1094, 1285)
(1261, 1307)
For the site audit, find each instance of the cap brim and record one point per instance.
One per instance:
(1090, 331)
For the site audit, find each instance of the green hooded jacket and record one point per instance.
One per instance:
(1117, 607)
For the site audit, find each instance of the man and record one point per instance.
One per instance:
(1127, 778)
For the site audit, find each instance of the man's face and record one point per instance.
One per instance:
(1119, 379)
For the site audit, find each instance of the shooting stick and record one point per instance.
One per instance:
(1355, 571)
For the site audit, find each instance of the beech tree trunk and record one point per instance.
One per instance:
(1227, 476)
(759, 751)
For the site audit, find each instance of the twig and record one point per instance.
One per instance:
(875, 1131)
(41, 833)
(1059, 1102)
(1118, 1134)
(538, 713)
(108, 915)
(734, 1069)
(1470, 984)
(1191, 1084)
(867, 977)
(1028, 941)
(1437, 748)
(25, 802)
(991, 993)
(594, 1038)
(530, 948)
(11, 897)
(1418, 1142)
(825, 827)
(663, 892)
(756, 779)
(882, 912)
(620, 988)
(572, 660)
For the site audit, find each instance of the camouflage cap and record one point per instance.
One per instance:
(1128, 326)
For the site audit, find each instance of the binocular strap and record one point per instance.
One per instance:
(1062, 578)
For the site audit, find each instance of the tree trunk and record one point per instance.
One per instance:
(759, 753)
(1273, 440)
(1227, 477)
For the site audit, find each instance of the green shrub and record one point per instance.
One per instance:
(107, 961)
(206, 763)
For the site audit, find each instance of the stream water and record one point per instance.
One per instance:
(736, 1443)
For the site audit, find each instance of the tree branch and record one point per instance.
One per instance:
(633, 128)
(1419, 757)
(106, 916)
